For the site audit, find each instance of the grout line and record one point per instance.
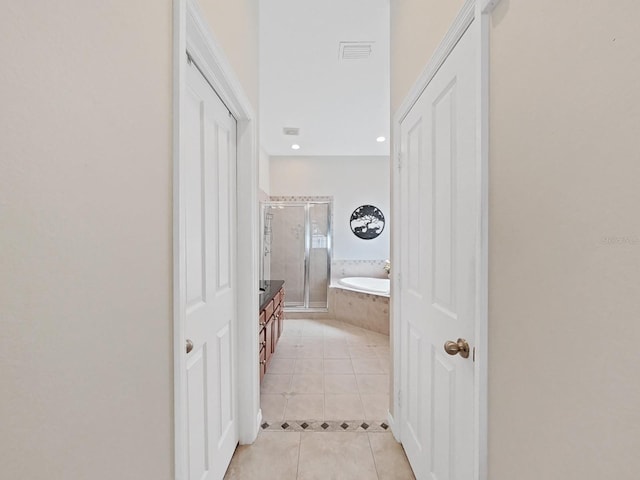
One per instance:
(324, 403)
(299, 449)
(375, 464)
(286, 404)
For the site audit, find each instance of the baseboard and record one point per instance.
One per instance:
(258, 421)
(256, 430)
(394, 429)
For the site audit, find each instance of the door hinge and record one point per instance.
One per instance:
(474, 354)
(399, 161)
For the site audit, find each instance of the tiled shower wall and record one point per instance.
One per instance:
(287, 251)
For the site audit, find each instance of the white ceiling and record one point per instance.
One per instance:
(341, 107)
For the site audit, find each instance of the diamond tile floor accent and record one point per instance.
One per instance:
(325, 426)
(324, 404)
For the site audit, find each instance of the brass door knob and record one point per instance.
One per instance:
(189, 346)
(461, 347)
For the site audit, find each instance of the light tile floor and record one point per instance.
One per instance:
(324, 370)
(327, 370)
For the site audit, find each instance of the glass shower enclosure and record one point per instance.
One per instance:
(296, 248)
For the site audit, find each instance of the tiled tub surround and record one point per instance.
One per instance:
(361, 309)
(358, 309)
(324, 372)
(377, 308)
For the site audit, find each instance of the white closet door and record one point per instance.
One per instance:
(439, 205)
(208, 173)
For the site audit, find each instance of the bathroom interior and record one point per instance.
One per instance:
(325, 216)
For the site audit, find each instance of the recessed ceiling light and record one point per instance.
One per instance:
(295, 146)
(380, 139)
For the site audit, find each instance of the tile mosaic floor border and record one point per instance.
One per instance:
(326, 426)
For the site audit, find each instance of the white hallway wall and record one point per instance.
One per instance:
(86, 361)
(352, 181)
(564, 260)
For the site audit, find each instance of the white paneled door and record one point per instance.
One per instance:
(439, 205)
(208, 171)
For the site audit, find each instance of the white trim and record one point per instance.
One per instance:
(472, 10)
(395, 312)
(481, 411)
(192, 34)
(179, 293)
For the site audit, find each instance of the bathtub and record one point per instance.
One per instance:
(372, 286)
(362, 301)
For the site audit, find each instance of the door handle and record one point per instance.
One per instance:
(189, 346)
(461, 347)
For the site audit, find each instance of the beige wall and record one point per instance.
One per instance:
(85, 192)
(264, 170)
(86, 234)
(417, 27)
(564, 386)
(235, 26)
(565, 240)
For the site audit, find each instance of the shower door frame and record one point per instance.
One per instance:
(307, 248)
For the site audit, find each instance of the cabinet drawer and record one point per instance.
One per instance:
(262, 320)
(268, 311)
(277, 299)
(262, 338)
(263, 363)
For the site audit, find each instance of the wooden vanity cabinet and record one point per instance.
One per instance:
(270, 326)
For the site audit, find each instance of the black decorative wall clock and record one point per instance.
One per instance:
(367, 222)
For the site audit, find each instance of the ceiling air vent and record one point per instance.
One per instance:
(355, 50)
(291, 131)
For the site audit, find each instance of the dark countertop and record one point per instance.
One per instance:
(271, 287)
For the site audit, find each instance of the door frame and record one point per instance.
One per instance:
(480, 11)
(192, 34)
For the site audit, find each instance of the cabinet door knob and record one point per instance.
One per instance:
(189, 346)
